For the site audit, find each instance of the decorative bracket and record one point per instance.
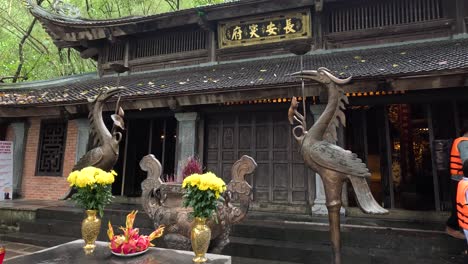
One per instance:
(318, 5)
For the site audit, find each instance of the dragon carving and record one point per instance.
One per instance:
(163, 204)
(105, 153)
(334, 164)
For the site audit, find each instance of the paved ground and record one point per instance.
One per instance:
(17, 249)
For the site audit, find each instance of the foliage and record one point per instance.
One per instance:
(94, 188)
(202, 193)
(131, 242)
(38, 58)
(192, 166)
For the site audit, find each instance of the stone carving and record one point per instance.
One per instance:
(61, 11)
(334, 164)
(163, 203)
(105, 153)
(66, 9)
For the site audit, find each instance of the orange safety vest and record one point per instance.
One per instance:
(456, 165)
(462, 206)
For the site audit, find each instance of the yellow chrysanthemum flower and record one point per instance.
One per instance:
(72, 177)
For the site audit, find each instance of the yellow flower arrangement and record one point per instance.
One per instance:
(206, 181)
(202, 193)
(93, 187)
(89, 176)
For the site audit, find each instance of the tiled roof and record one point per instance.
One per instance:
(43, 13)
(396, 60)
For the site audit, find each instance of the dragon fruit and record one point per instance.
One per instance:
(131, 241)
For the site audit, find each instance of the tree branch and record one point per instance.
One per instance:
(21, 45)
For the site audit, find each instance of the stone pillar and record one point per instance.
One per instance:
(82, 138)
(19, 144)
(186, 139)
(319, 207)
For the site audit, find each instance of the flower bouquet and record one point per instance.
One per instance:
(94, 188)
(202, 194)
(94, 191)
(131, 243)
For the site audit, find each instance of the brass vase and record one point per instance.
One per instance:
(200, 236)
(90, 230)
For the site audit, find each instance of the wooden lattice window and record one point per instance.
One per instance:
(375, 14)
(51, 149)
(171, 43)
(116, 52)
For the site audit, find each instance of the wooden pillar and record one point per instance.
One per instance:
(186, 145)
(20, 130)
(435, 177)
(212, 45)
(124, 169)
(388, 154)
(82, 138)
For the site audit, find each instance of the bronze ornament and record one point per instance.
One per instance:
(334, 164)
(105, 152)
(163, 204)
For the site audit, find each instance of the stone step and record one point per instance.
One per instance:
(414, 241)
(69, 229)
(242, 260)
(254, 248)
(117, 217)
(35, 239)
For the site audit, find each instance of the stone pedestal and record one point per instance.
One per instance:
(186, 139)
(19, 144)
(319, 207)
(73, 252)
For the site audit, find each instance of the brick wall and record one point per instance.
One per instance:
(43, 187)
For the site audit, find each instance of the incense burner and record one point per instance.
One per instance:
(163, 204)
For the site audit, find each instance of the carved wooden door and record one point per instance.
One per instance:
(281, 176)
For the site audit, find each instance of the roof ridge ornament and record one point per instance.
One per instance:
(66, 9)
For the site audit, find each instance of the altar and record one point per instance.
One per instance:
(72, 252)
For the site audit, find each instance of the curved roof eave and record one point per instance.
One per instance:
(41, 13)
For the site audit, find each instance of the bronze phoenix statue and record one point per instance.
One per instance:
(105, 151)
(334, 164)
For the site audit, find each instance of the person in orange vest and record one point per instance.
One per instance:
(462, 202)
(458, 154)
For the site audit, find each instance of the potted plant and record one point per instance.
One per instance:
(94, 192)
(201, 193)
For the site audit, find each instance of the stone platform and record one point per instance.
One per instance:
(72, 252)
(263, 238)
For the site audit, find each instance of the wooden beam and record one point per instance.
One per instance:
(88, 53)
(431, 84)
(428, 82)
(391, 30)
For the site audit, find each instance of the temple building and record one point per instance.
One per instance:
(214, 82)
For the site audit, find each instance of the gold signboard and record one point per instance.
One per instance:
(266, 29)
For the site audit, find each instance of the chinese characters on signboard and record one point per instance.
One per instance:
(6, 170)
(293, 25)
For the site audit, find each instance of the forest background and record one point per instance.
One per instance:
(28, 53)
